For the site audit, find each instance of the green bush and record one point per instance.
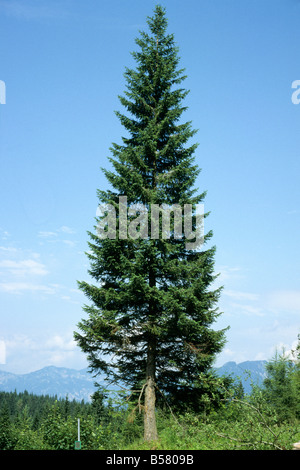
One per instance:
(61, 432)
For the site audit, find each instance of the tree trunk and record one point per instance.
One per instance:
(150, 429)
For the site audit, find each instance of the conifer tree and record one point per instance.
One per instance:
(149, 324)
(281, 385)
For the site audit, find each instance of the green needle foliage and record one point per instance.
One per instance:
(149, 324)
(282, 385)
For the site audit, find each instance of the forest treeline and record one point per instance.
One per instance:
(267, 418)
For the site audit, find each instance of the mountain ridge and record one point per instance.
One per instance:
(249, 372)
(80, 384)
(52, 381)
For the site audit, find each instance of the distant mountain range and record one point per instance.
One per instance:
(248, 372)
(79, 384)
(59, 381)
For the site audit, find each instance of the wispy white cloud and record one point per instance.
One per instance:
(21, 271)
(2, 352)
(56, 232)
(227, 273)
(248, 309)
(69, 243)
(21, 287)
(240, 295)
(284, 300)
(8, 249)
(45, 234)
(34, 9)
(66, 229)
(4, 234)
(54, 236)
(289, 351)
(27, 353)
(61, 343)
(23, 268)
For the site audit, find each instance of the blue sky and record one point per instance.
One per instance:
(62, 63)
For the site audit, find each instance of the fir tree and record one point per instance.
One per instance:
(281, 385)
(6, 438)
(149, 322)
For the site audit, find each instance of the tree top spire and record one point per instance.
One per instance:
(158, 23)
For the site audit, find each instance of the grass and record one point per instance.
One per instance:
(192, 433)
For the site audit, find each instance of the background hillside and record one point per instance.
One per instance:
(249, 372)
(59, 381)
(79, 384)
